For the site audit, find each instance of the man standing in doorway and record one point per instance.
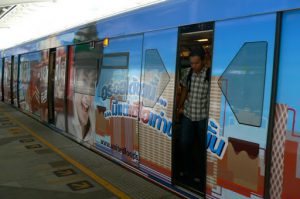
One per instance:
(194, 103)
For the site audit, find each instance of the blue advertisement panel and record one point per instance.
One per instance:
(239, 106)
(157, 100)
(117, 99)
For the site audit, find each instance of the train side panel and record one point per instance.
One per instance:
(239, 107)
(285, 174)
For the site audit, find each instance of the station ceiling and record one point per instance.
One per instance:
(24, 20)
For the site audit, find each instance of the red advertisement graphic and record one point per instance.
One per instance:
(59, 87)
(34, 83)
(7, 80)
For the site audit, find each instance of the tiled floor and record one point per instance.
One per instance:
(30, 169)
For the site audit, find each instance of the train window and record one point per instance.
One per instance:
(114, 67)
(86, 68)
(115, 61)
(243, 82)
(156, 77)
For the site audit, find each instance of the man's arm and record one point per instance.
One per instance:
(184, 92)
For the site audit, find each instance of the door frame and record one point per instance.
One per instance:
(50, 90)
(268, 157)
(1, 79)
(177, 71)
(12, 61)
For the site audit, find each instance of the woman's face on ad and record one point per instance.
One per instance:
(82, 105)
(83, 98)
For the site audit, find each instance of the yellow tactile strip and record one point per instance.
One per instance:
(81, 167)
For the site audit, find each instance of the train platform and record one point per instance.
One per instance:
(37, 162)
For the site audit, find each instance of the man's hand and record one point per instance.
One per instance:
(179, 111)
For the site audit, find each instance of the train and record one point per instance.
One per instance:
(112, 85)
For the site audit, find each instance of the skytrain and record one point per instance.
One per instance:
(112, 85)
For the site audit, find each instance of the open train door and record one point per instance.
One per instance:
(1, 80)
(240, 107)
(189, 138)
(51, 81)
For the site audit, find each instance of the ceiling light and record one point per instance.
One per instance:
(197, 32)
(202, 40)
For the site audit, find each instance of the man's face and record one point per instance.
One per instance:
(196, 63)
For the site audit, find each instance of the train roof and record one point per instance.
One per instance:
(168, 14)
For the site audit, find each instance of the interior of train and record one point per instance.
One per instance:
(192, 38)
(51, 79)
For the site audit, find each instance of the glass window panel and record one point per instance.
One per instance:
(115, 61)
(243, 82)
(156, 78)
(113, 79)
(86, 68)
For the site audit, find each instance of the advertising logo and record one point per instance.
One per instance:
(216, 143)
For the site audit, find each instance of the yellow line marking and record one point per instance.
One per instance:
(81, 167)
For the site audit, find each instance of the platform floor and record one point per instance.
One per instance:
(38, 163)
